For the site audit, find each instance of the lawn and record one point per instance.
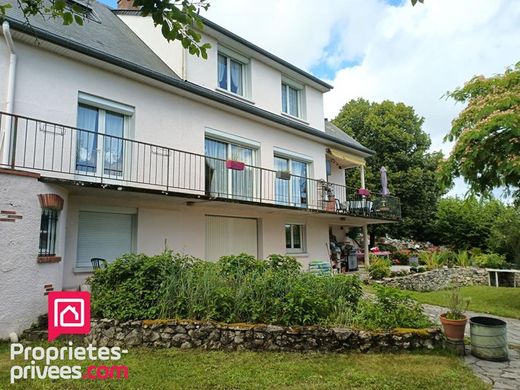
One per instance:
(501, 301)
(197, 369)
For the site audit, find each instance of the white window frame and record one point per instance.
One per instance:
(242, 60)
(290, 157)
(300, 89)
(103, 105)
(303, 238)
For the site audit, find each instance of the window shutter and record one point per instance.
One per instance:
(103, 235)
(230, 236)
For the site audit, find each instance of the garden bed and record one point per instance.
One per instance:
(256, 337)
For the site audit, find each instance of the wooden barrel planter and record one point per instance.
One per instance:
(489, 339)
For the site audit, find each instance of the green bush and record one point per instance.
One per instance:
(379, 268)
(391, 309)
(283, 263)
(130, 287)
(401, 257)
(490, 260)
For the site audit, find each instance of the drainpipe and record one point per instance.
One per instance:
(5, 140)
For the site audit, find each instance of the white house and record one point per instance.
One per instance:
(113, 140)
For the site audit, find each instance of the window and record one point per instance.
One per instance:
(231, 73)
(292, 99)
(292, 192)
(105, 235)
(221, 181)
(48, 225)
(295, 238)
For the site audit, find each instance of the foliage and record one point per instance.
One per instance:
(457, 305)
(504, 237)
(391, 309)
(490, 260)
(178, 19)
(394, 132)
(466, 223)
(487, 134)
(463, 259)
(130, 287)
(401, 257)
(379, 268)
(234, 289)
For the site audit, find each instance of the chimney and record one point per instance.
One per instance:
(126, 4)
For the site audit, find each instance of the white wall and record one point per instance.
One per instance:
(22, 279)
(161, 218)
(265, 80)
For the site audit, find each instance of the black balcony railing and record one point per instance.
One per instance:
(63, 152)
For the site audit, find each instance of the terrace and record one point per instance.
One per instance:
(68, 155)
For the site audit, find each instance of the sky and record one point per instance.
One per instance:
(384, 49)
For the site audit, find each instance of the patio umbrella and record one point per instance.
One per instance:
(384, 182)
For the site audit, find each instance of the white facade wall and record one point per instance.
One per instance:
(264, 83)
(22, 279)
(166, 222)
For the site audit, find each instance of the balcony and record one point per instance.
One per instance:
(71, 155)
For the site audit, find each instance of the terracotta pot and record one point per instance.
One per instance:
(453, 329)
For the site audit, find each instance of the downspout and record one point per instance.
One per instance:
(5, 137)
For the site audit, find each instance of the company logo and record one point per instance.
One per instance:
(69, 313)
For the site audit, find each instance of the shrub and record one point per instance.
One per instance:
(463, 259)
(401, 257)
(391, 309)
(491, 260)
(379, 268)
(283, 263)
(130, 287)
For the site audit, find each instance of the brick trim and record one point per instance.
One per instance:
(51, 201)
(48, 259)
(19, 173)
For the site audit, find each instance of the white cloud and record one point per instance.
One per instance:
(409, 54)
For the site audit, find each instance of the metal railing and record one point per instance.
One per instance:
(64, 152)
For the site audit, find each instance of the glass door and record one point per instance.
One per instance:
(99, 144)
(291, 191)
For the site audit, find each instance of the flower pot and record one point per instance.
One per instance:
(331, 204)
(236, 165)
(283, 175)
(453, 329)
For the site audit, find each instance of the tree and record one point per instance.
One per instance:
(466, 223)
(487, 134)
(179, 19)
(394, 132)
(504, 237)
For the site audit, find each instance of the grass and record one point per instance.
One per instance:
(501, 301)
(197, 369)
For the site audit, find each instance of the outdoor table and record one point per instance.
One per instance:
(496, 271)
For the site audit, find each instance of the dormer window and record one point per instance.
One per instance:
(231, 73)
(292, 98)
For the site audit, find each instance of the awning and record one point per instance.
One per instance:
(345, 160)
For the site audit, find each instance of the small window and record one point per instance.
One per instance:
(48, 227)
(231, 74)
(291, 100)
(295, 238)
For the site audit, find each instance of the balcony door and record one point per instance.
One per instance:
(291, 192)
(99, 143)
(222, 181)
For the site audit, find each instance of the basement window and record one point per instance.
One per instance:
(48, 227)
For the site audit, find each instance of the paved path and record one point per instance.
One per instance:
(502, 376)
(513, 325)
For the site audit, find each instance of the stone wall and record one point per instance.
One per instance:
(220, 336)
(439, 279)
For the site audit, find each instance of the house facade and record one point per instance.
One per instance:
(114, 140)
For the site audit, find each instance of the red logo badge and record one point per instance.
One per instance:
(69, 313)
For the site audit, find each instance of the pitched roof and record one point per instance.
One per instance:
(335, 131)
(110, 40)
(103, 32)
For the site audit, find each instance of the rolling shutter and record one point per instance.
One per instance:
(104, 235)
(230, 236)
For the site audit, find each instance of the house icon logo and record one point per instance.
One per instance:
(69, 313)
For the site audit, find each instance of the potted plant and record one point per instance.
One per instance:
(454, 320)
(235, 164)
(283, 175)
